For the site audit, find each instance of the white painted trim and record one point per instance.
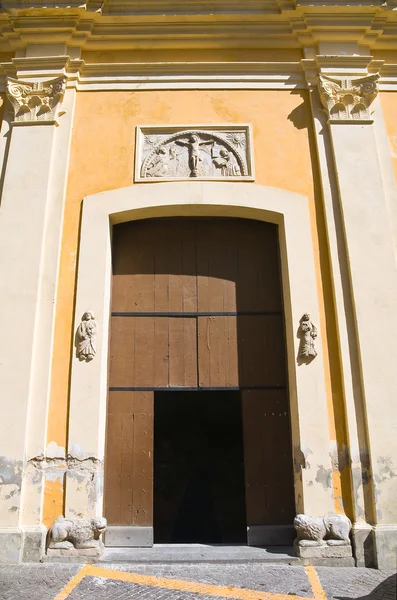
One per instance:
(161, 75)
(344, 313)
(37, 417)
(307, 386)
(184, 75)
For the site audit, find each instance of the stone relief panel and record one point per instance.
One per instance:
(216, 152)
(35, 101)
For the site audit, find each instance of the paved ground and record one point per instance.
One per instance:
(193, 582)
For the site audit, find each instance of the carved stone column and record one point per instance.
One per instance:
(30, 229)
(365, 280)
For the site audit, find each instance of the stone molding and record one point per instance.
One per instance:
(287, 75)
(348, 99)
(162, 24)
(88, 389)
(35, 101)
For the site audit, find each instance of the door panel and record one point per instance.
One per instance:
(153, 352)
(197, 304)
(217, 351)
(261, 353)
(267, 458)
(129, 462)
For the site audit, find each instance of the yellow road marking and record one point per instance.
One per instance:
(69, 587)
(189, 586)
(317, 588)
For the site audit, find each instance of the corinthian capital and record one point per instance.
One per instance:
(348, 99)
(35, 101)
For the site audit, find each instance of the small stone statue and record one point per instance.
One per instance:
(80, 534)
(321, 531)
(307, 334)
(86, 337)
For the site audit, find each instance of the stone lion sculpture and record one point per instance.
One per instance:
(318, 531)
(76, 533)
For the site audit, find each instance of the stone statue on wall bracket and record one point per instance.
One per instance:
(86, 337)
(307, 333)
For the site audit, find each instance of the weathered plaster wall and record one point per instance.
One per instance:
(102, 159)
(389, 108)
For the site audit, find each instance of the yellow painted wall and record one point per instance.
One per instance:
(102, 158)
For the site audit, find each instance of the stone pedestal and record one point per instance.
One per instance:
(325, 555)
(73, 555)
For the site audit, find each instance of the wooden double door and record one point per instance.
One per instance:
(198, 439)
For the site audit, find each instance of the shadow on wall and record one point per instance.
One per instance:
(299, 116)
(387, 590)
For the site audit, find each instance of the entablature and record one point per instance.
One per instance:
(288, 75)
(135, 24)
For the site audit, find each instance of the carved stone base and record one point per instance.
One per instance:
(325, 555)
(386, 546)
(10, 545)
(74, 554)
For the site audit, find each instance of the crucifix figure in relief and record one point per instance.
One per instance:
(194, 144)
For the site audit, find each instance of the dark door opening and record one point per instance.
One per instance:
(199, 485)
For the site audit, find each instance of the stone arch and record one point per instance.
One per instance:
(307, 387)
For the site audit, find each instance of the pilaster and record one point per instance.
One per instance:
(343, 93)
(31, 215)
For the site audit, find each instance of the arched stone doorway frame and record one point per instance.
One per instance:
(307, 386)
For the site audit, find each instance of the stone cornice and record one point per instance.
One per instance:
(140, 24)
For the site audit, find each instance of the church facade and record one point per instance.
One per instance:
(198, 277)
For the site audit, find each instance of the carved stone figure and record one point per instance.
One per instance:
(194, 144)
(159, 165)
(86, 337)
(346, 98)
(80, 534)
(333, 530)
(193, 153)
(174, 162)
(35, 100)
(307, 334)
(223, 162)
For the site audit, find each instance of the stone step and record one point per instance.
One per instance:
(201, 553)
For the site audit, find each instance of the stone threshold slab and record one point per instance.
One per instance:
(200, 553)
